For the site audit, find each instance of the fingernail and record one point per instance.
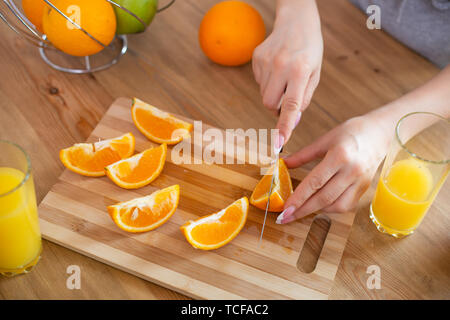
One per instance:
(285, 214)
(289, 219)
(279, 144)
(280, 218)
(299, 116)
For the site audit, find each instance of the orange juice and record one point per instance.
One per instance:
(403, 196)
(20, 238)
(414, 171)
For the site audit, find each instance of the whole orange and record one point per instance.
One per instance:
(97, 17)
(230, 31)
(34, 10)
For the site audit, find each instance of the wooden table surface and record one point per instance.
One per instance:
(44, 111)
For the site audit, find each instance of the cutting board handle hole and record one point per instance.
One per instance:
(313, 245)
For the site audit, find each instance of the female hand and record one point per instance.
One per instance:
(352, 152)
(351, 155)
(289, 61)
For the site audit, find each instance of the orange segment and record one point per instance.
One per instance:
(281, 190)
(146, 213)
(157, 125)
(217, 229)
(90, 159)
(139, 170)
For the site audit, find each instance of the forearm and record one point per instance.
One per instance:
(303, 11)
(433, 96)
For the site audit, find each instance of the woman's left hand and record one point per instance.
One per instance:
(351, 155)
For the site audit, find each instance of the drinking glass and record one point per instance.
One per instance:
(20, 237)
(413, 173)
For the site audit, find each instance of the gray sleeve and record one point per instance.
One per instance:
(422, 25)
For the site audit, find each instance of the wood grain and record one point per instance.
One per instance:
(74, 215)
(44, 111)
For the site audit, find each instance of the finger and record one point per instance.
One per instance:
(257, 74)
(274, 91)
(309, 153)
(291, 105)
(256, 65)
(310, 88)
(265, 77)
(348, 201)
(323, 198)
(314, 181)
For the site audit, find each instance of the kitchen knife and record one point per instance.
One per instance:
(274, 174)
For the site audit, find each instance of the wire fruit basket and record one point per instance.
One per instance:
(59, 60)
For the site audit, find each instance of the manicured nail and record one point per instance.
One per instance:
(280, 218)
(279, 144)
(289, 219)
(299, 116)
(285, 214)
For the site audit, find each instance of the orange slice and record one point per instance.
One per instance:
(157, 125)
(139, 170)
(281, 189)
(90, 159)
(146, 213)
(216, 230)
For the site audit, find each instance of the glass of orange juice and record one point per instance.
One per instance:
(413, 173)
(20, 237)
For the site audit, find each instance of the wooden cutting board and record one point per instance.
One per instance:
(73, 214)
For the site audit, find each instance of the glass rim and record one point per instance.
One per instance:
(414, 155)
(28, 172)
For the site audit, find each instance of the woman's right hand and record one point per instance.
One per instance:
(289, 61)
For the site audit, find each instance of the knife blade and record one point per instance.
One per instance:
(274, 173)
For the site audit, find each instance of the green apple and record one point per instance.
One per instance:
(144, 9)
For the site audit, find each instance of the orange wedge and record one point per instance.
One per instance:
(139, 170)
(281, 189)
(146, 213)
(90, 159)
(217, 229)
(157, 125)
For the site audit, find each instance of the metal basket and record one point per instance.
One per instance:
(58, 59)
